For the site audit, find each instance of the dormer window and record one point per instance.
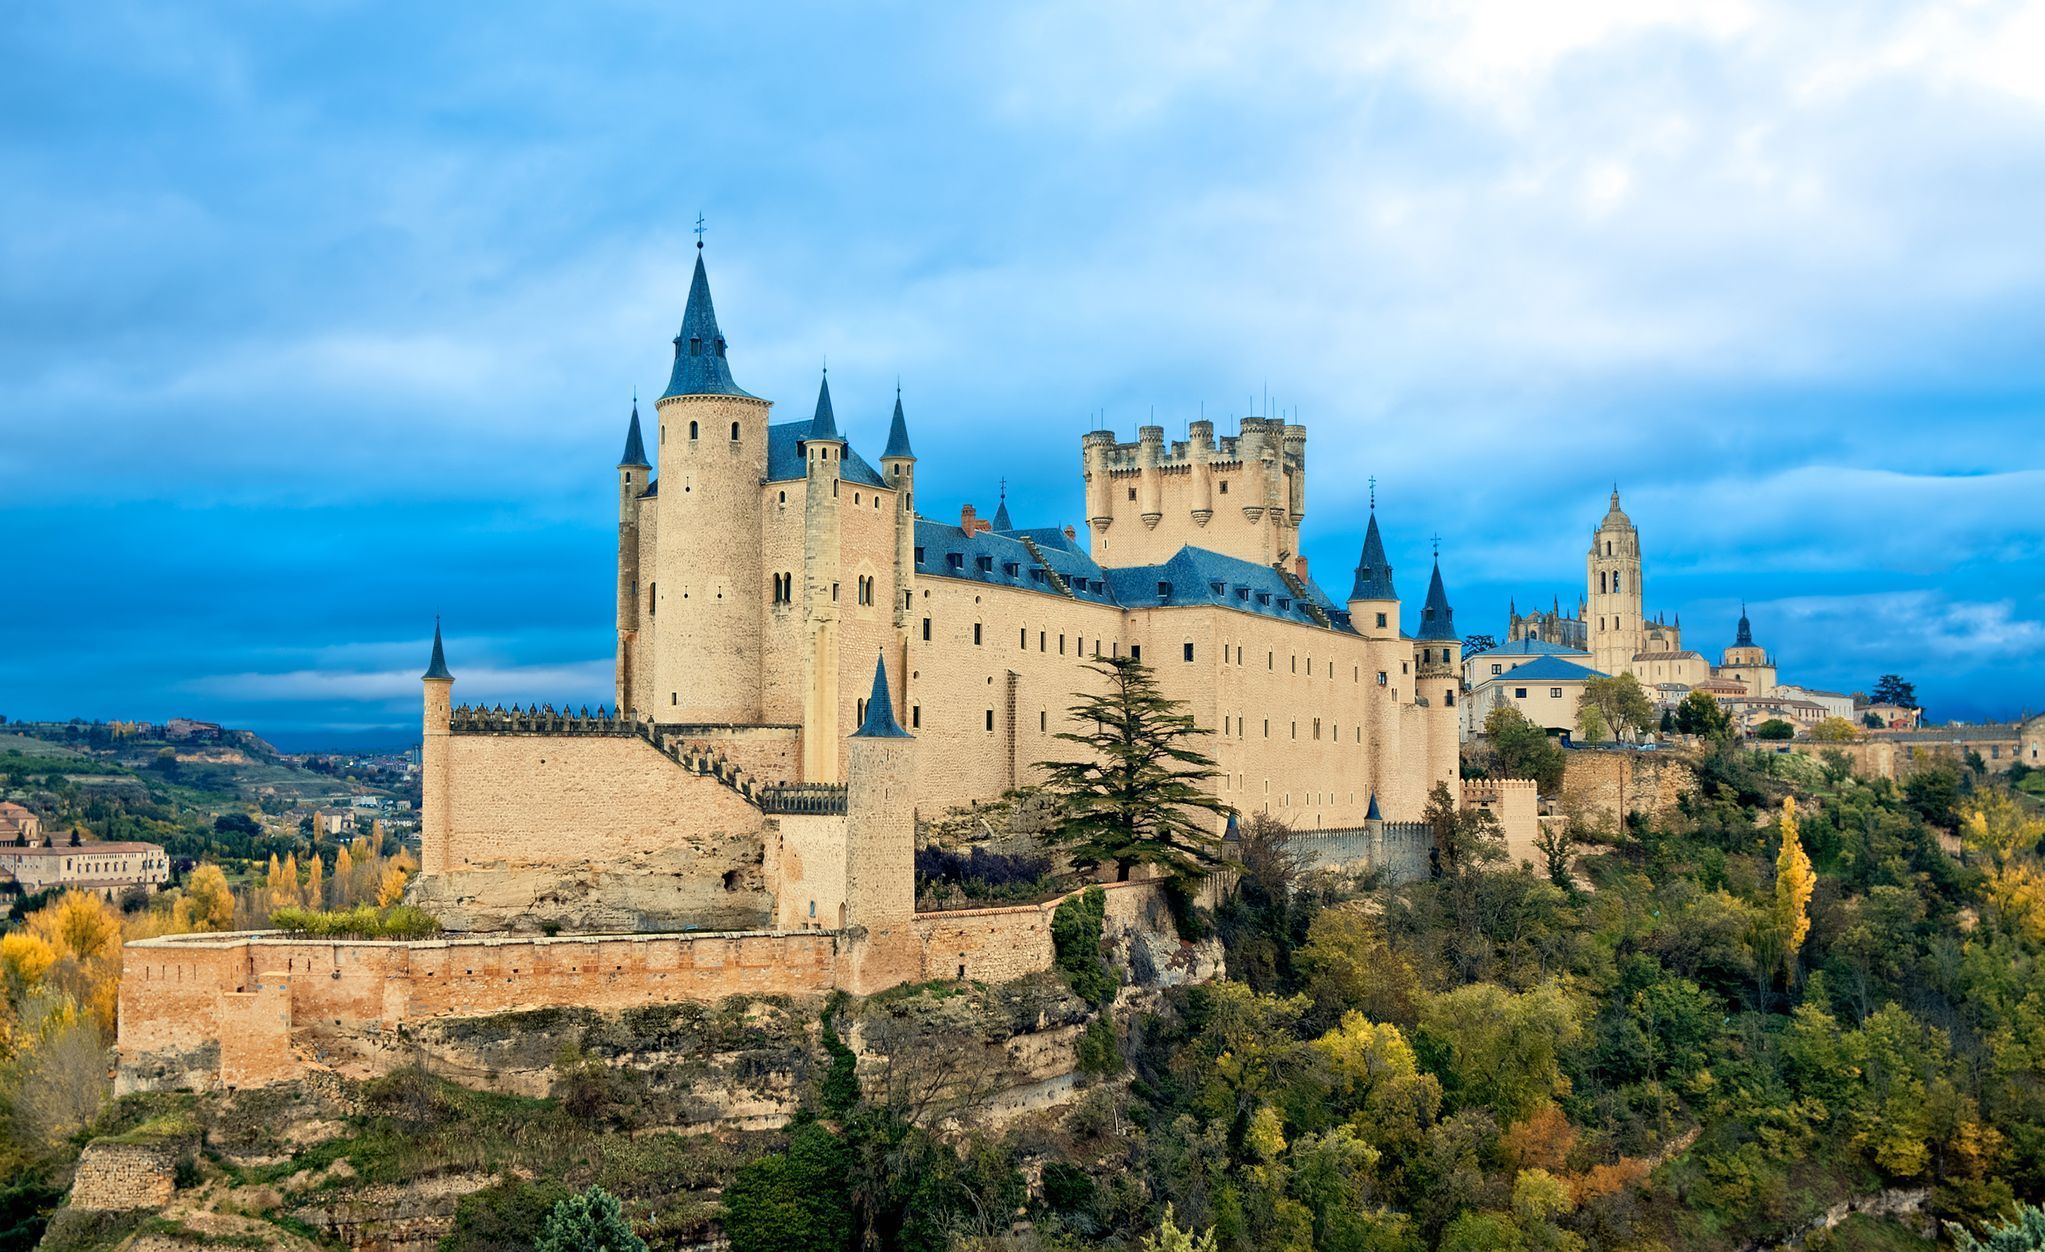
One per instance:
(1218, 588)
(957, 560)
(720, 345)
(1011, 568)
(695, 345)
(986, 564)
(1264, 597)
(1164, 590)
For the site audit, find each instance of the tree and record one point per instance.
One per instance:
(1524, 749)
(1170, 1238)
(1871, 721)
(792, 1201)
(1668, 721)
(1794, 881)
(1891, 689)
(1835, 729)
(1703, 716)
(1838, 765)
(2001, 835)
(1775, 730)
(1622, 702)
(1474, 644)
(208, 902)
(1590, 723)
(1131, 800)
(1464, 838)
(2023, 1233)
(589, 1222)
(236, 824)
(1498, 1050)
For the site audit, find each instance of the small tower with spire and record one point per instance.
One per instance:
(823, 455)
(1373, 601)
(434, 781)
(880, 847)
(705, 590)
(898, 468)
(634, 476)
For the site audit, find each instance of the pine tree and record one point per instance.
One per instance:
(1793, 883)
(1133, 798)
(589, 1222)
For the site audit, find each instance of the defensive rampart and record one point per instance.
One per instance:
(1397, 850)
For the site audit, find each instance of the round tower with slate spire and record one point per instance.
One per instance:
(438, 684)
(823, 458)
(634, 473)
(880, 848)
(898, 467)
(1374, 614)
(706, 591)
(1439, 676)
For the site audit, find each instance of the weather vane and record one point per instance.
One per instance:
(1373, 493)
(699, 232)
(1436, 539)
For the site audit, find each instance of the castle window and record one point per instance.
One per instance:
(1189, 652)
(957, 560)
(1267, 728)
(1023, 638)
(1295, 730)
(976, 632)
(926, 630)
(990, 720)
(719, 344)
(652, 598)
(1295, 665)
(1383, 678)
(1381, 621)
(859, 712)
(784, 500)
(1164, 590)
(1043, 720)
(692, 430)
(834, 593)
(695, 345)
(984, 563)
(1042, 646)
(1061, 645)
(1135, 651)
(1317, 730)
(1448, 698)
(915, 717)
(1270, 660)
(1132, 493)
(734, 432)
(1224, 486)
(1608, 547)
(1497, 669)
(919, 552)
(1519, 693)
(1554, 693)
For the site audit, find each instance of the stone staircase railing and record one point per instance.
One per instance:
(1057, 579)
(1305, 597)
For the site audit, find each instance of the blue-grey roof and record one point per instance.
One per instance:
(1373, 572)
(1002, 521)
(825, 424)
(700, 365)
(1437, 619)
(635, 447)
(785, 463)
(1373, 813)
(898, 433)
(1548, 669)
(437, 667)
(1197, 576)
(945, 551)
(1532, 647)
(1745, 637)
(880, 720)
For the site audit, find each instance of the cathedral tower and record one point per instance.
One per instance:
(706, 591)
(1612, 581)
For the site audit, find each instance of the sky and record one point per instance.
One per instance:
(319, 320)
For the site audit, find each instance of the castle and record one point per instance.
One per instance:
(805, 668)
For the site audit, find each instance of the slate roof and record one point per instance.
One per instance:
(635, 447)
(824, 425)
(1374, 572)
(898, 433)
(1437, 619)
(437, 667)
(1002, 522)
(1532, 647)
(784, 457)
(1745, 637)
(880, 720)
(1193, 576)
(1547, 669)
(700, 365)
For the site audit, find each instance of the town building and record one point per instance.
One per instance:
(104, 869)
(1548, 690)
(19, 824)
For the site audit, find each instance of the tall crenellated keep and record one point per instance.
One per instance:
(1241, 495)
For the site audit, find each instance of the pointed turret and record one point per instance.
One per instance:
(1373, 813)
(1745, 638)
(700, 365)
(880, 720)
(1001, 521)
(1374, 572)
(635, 447)
(825, 424)
(898, 434)
(436, 669)
(1437, 619)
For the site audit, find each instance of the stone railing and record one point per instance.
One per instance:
(824, 798)
(1305, 597)
(1057, 579)
(696, 757)
(539, 720)
(1399, 850)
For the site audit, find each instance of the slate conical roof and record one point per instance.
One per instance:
(635, 447)
(437, 667)
(1437, 619)
(1373, 814)
(1745, 639)
(898, 433)
(700, 365)
(880, 720)
(1001, 520)
(825, 424)
(1374, 572)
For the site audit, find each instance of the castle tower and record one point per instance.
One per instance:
(706, 592)
(633, 473)
(1241, 496)
(438, 686)
(823, 456)
(1440, 677)
(880, 849)
(1612, 584)
(1374, 614)
(1746, 662)
(898, 468)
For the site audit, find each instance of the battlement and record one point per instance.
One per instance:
(1260, 437)
(1242, 495)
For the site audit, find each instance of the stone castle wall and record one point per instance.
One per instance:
(1396, 850)
(251, 1008)
(1607, 785)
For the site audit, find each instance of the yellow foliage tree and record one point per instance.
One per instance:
(344, 877)
(392, 887)
(315, 884)
(24, 959)
(2003, 837)
(79, 925)
(208, 902)
(1794, 881)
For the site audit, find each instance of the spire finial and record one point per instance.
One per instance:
(1373, 493)
(1436, 540)
(699, 232)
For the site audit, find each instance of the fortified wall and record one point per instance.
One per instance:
(245, 1010)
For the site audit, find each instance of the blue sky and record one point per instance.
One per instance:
(316, 320)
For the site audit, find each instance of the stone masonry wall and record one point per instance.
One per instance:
(1607, 785)
(114, 1176)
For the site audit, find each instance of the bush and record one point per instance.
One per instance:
(1076, 938)
(364, 921)
(503, 1217)
(1098, 1053)
(1775, 729)
(589, 1222)
(841, 1080)
(979, 874)
(793, 1201)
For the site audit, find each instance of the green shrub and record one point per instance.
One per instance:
(1098, 1052)
(793, 1201)
(841, 1080)
(591, 1221)
(364, 921)
(1076, 938)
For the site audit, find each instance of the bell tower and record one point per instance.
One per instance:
(1612, 585)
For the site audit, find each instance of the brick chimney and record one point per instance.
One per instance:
(970, 522)
(1299, 567)
(1071, 534)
